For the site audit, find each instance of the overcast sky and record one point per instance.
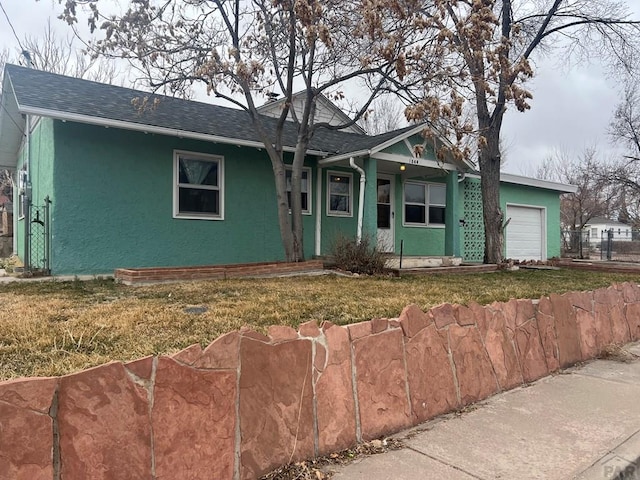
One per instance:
(571, 108)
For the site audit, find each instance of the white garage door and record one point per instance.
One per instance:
(525, 233)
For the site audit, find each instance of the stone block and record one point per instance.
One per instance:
(282, 333)
(26, 429)
(413, 319)
(630, 292)
(588, 334)
(30, 393)
(194, 422)
(222, 353)
(246, 332)
(276, 405)
(141, 368)
(334, 394)
(547, 330)
(431, 383)
(568, 338)
(379, 325)
(581, 300)
(467, 315)
(474, 372)
(309, 329)
(359, 330)
(381, 384)
(189, 355)
(103, 419)
(530, 351)
(525, 311)
(443, 315)
(619, 326)
(632, 315)
(499, 342)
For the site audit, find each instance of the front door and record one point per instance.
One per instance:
(385, 214)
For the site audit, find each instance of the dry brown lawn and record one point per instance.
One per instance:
(54, 328)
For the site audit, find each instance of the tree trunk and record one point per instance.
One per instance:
(490, 187)
(284, 218)
(297, 229)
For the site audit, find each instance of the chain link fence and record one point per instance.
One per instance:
(613, 244)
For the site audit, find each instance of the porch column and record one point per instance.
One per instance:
(451, 220)
(370, 217)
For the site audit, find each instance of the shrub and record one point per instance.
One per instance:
(357, 257)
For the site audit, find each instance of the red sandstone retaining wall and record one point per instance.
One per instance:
(249, 403)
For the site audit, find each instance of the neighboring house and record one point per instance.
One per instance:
(189, 183)
(326, 111)
(599, 226)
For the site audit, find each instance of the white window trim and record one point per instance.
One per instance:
(427, 204)
(176, 185)
(309, 210)
(334, 213)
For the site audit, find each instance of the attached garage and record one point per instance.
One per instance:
(525, 234)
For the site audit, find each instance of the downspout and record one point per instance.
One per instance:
(363, 182)
(318, 249)
(15, 197)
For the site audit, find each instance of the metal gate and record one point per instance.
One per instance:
(38, 239)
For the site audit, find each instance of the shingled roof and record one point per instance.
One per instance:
(47, 94)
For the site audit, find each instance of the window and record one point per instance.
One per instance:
(424, 203)
(594, 232)
(198, 186)
(305, 193)
(339, 193)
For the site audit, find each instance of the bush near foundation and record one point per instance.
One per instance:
(362, 257)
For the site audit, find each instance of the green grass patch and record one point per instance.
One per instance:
(53, 328)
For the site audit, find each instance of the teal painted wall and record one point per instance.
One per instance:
(524, 195)
(41, 172)
(334, 227)
(422, 241)
(113, 204)
(400, 148)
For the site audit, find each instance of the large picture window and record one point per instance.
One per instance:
(424, 204)
(339, 193)
(305, 194)
(198, 189)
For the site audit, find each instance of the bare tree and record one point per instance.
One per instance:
(625, 172)
(244, 49)
(386, 114)
(53, 53)
(596, 195)
(477, 55)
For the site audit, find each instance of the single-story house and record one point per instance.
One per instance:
(187, 183)
(598, 228)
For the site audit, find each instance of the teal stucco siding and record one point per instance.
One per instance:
(114, 204)
(335, 227)
(415, 240)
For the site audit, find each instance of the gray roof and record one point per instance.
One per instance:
(605, 221)
(52, 93)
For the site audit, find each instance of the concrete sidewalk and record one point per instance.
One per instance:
(581, 424)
